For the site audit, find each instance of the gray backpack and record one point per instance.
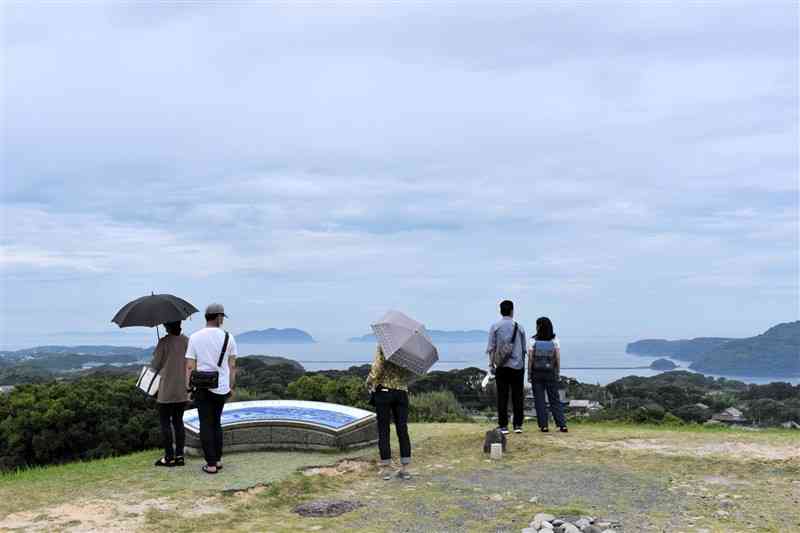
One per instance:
(544, 357)
(503, 350)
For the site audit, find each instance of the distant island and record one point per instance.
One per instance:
(663, 364)
(472, 335)
(275, 336)
(774, 353)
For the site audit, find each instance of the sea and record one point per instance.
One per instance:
(597, 361)
(587, 359)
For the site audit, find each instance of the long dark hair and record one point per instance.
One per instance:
(544, 329)
(173, 328)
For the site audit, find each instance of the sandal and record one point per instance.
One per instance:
(405, 476)
(169, 463)
(179, 461)
(563, 430)
(219, 467)
(205, 468)
(544, 430)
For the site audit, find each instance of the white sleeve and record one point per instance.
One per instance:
(556, 343)
(191, 353)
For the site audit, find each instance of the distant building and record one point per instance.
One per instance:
(791, 424)
(584, 407)
(731, 415)
(702, 406)
(5, 389)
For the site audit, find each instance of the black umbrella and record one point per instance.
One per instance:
(153, 310)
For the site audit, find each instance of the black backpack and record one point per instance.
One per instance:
(544, 357)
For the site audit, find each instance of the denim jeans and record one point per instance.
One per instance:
(392, 403)
(551, 387)
(209, 409)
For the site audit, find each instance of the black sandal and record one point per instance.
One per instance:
(165, 463)
(544, 430)
(179, 461)
(207, 471)
(563, 430)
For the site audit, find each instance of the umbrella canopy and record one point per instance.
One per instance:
(405, 342)
(153, 310)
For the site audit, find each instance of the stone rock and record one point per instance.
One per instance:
(546, 525)
(609, 531)
(721, 513)
(569, 528)
(582, 523)
(557, 522)
(493, 436)
(592, 529)
(325, 508)
(528, 530)
(604, 524)
(544, 517)
(534, 499)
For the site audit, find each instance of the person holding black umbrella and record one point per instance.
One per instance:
(170, 363)
(211, 376)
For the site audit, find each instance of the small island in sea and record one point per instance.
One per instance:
(275, 336)
(471, 335)
(774, 353)
(663, 364)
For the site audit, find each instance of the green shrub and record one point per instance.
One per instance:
(437, 406)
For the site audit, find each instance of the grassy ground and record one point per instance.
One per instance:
(647, 478)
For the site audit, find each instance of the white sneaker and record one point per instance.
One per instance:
(517, 430)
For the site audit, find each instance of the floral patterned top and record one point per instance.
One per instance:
(388, 374)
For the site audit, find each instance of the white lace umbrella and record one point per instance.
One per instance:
(405, 342)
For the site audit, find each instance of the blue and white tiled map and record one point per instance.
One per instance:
(328, 415)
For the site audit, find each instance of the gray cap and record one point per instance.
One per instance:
(216, 309)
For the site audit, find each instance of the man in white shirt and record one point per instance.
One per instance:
(203, 354)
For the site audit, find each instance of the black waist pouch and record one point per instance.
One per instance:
(208, 379)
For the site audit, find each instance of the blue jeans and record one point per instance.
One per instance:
(551, 387)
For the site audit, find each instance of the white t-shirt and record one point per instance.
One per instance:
(204, 347)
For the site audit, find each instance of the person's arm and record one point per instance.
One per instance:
(191, 362)
(530, 361)
(232, 353)
(524, 342)
(492, 343)
(376, 371)
(158, 357)
(558, 360)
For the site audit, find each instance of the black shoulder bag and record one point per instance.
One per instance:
(208, 379)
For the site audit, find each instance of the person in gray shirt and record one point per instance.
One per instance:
(511, 375)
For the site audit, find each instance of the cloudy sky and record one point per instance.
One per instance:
(628, 169)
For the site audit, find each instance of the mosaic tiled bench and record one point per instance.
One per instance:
(287, 425)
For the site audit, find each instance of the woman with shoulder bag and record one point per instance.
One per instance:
(169, 362)
(544, 365)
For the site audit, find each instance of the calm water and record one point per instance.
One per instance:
(580, 357)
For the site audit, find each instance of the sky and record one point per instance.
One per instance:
(629, 169)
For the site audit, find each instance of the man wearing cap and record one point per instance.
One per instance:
(208, 352)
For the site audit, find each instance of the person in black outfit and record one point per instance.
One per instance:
(544, 365)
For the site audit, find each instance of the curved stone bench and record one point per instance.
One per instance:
(287, 425)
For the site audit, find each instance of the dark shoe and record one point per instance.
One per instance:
(544, 430)
(563, 430)
(504, 431)
(169, 463)
(405, 476)
(207, 470)
(518, 430)
(179, 461)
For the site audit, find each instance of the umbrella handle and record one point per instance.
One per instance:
(158, 337)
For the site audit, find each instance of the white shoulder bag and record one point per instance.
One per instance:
(148, 381)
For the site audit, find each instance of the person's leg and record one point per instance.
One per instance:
(501, 380)
(555, 404)
(400, 412)
(518, 396)
(205, 412)
(541, 409)
(177, 426)
(166, 430)
(219, 404)
(383, 412)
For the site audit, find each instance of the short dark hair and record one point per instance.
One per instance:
(214, 316)
(544, 329)
(173, 328)
(506, 307)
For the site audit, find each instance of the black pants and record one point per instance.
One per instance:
(209, 409)
(392, 403)
(514, 379)
(171, 417)
(551, 387)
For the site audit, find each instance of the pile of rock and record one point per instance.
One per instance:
(547, 523)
